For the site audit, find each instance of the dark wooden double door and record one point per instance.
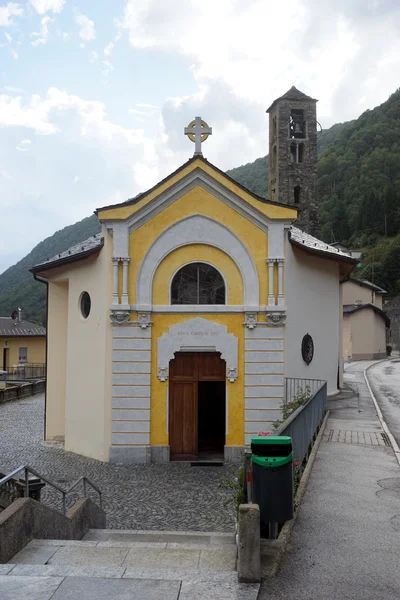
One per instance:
(196, 405)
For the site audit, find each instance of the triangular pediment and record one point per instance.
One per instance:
(197, 173)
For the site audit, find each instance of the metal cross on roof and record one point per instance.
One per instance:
(198, 131)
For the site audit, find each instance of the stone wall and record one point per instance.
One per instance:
(27, 519)
(284, 174)
(21, 390)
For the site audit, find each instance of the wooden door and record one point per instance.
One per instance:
(186, 370)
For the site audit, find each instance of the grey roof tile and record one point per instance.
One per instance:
(313, 243)
(13, 328)
(90, 244)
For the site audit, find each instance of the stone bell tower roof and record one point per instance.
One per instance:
(292, 94)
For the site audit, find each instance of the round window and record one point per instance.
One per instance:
(307, 348)
(86, 304)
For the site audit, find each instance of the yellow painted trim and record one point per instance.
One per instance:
(200, 201)
(270, 210)
(197, 253)
(234, 323)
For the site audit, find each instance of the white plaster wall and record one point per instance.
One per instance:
(368, 334)
(313, 306)
(57, 331)
(89, 361)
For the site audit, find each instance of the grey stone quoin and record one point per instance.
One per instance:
(293, 156)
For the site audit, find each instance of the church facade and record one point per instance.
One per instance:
(171, 333)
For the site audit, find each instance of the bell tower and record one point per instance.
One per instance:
(292, 177)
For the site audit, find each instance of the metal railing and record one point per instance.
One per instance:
(296, 385)
(21, 372)
(303, 424)
(27, 469)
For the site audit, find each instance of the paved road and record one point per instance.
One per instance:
(345, 544)
(169, 496)
(384, 378)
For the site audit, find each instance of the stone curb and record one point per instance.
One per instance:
(278, 547)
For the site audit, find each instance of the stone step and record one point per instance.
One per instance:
(130, 554)
(187, 537)
(101, 588)
(62, 570)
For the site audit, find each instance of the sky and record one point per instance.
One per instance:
(95, 95)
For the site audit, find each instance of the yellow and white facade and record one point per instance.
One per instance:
(109, 388)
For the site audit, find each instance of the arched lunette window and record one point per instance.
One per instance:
(198, 283)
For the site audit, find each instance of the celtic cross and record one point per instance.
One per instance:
(198, 131)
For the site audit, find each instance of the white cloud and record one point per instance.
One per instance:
(42, 36)
(8, 37)
(7, 12)
(5, 174)
(76, 179)
(93, 57)
(86, 31)
(108, 49)
(259, 49)
(43, 6)
(14, 54)
(145, 110)
(24, 145)
(13, 90)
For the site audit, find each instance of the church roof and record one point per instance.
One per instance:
(313, 245)
(140, 196)
(13, 328)
(77, 252)
(292, 94)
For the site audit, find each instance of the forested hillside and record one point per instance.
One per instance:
(17, 286)
(359, 199)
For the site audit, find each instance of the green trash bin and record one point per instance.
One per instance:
(272, 477)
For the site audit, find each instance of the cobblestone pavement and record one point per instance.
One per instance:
(169, 496)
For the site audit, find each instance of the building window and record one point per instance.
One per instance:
(198, 283)
(296, 153)
(297, 124)
(86, 305)
(296, 194)
(23, 355)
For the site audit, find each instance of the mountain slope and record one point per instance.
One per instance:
(17, 286)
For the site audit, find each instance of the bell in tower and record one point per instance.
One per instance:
(292, 174)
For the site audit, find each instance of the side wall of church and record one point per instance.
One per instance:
(313, 303)
(88, 360)
(57, 335)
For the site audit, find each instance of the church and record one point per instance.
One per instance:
(172, 332)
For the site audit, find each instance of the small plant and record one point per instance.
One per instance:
(288, 408)
(235, 485)
(389, 350)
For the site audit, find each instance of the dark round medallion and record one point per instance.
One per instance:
(307, 348)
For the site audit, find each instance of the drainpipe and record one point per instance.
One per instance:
(45, 281)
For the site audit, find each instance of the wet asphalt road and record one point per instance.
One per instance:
(384, 379)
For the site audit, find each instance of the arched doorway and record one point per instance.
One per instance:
(197, 398)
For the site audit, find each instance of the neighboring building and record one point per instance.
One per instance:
(170, 333)
(21, 342)
(365, 325)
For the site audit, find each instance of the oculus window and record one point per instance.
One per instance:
(86, 305)
(198, 283)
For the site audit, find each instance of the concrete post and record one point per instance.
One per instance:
(249, 552)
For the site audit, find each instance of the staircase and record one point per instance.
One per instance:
(127, 565)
